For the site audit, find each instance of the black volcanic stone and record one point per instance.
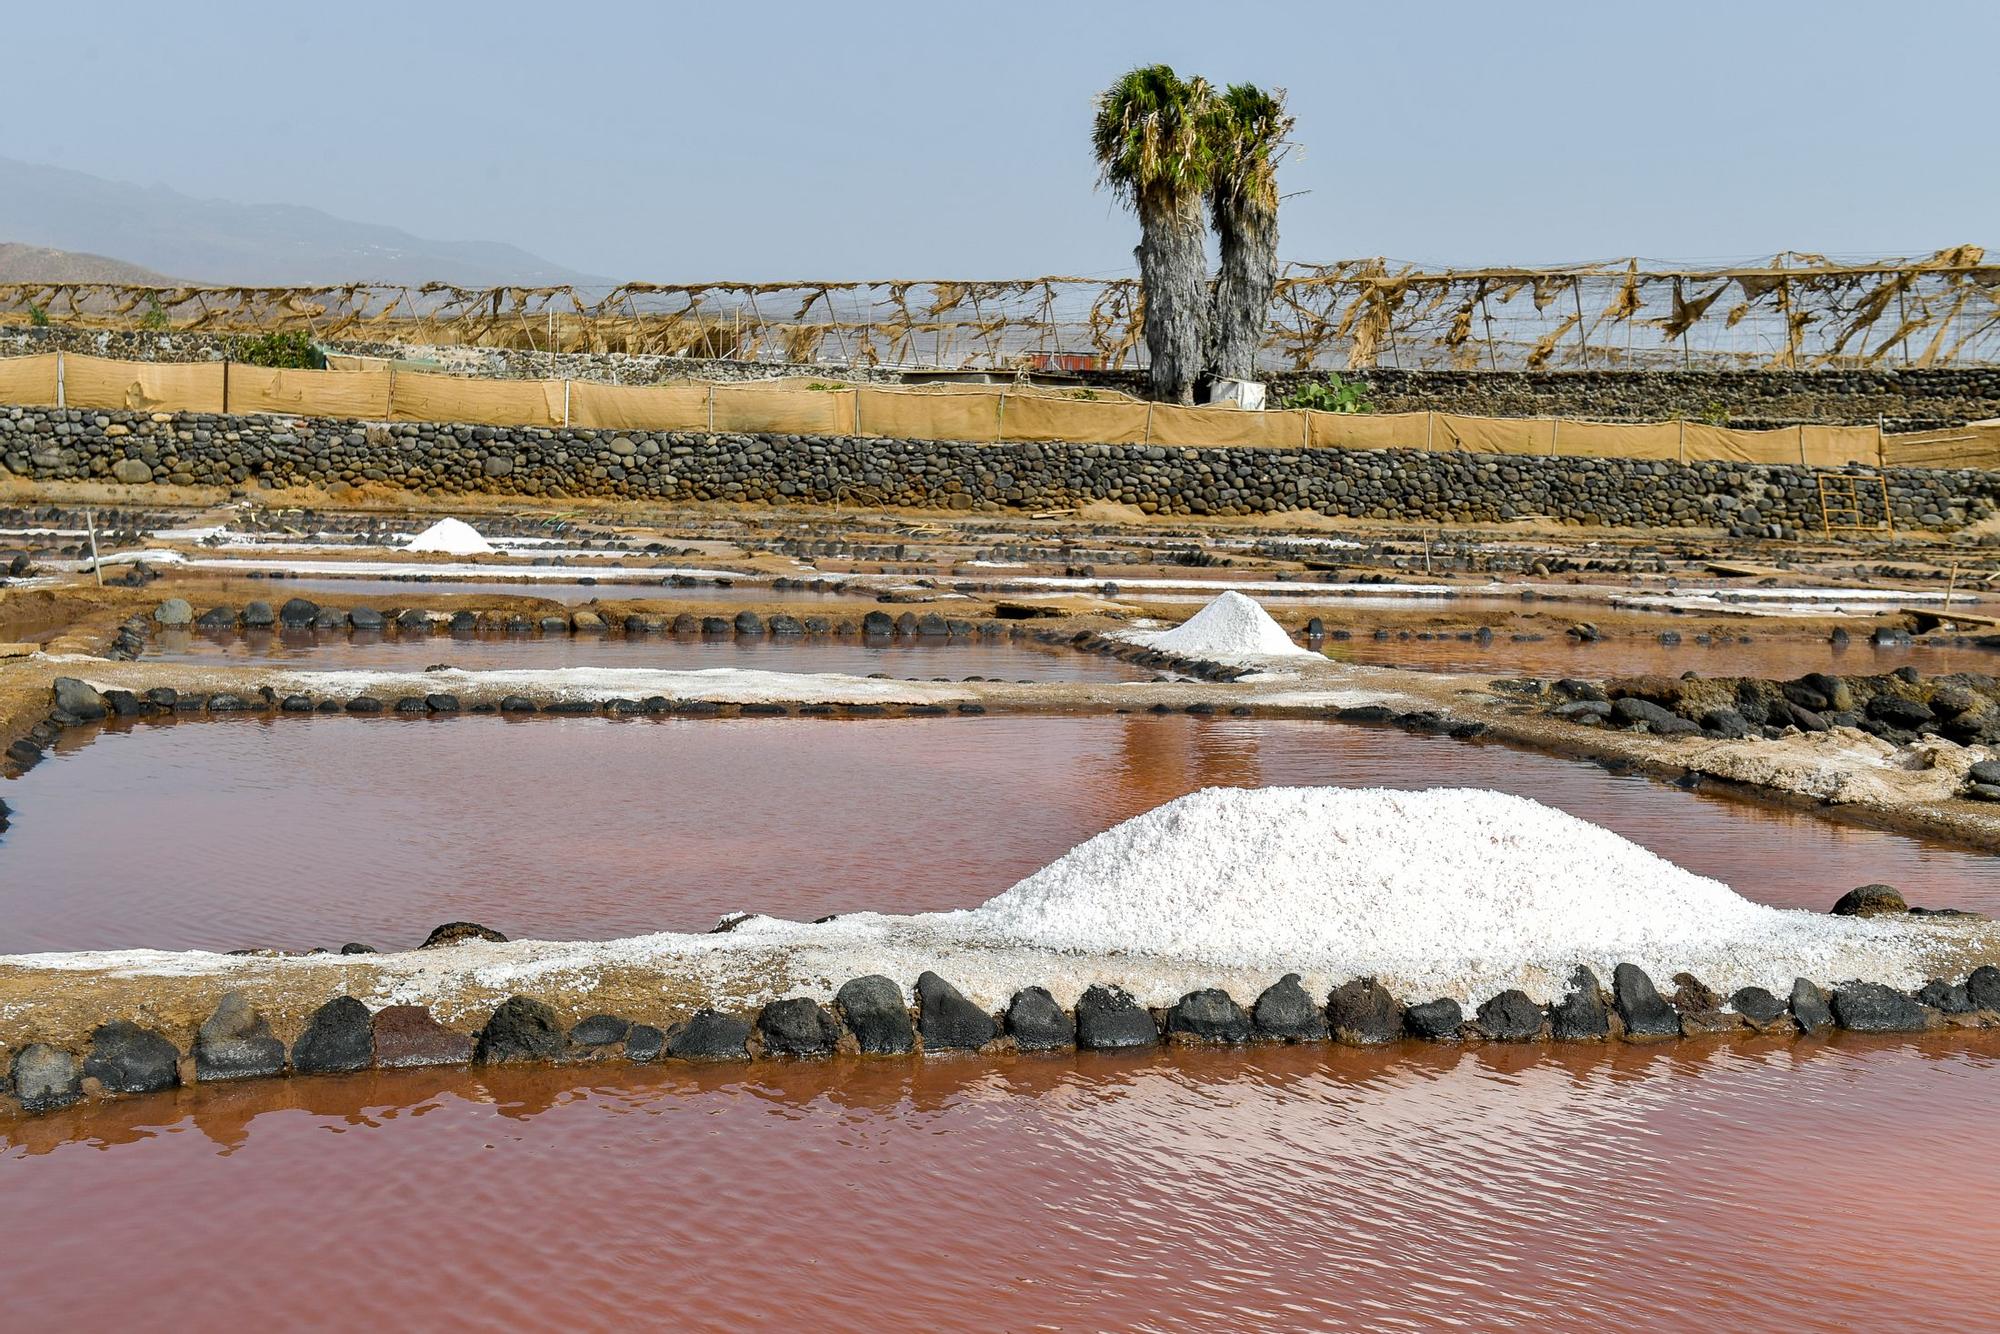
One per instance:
(600, 1030)
(340, 1036)
(947, 1020)
(797, 1027)
(1870, 901)
(1509, 1017)
(126, 1058)
(1434, 1021)
(1809, 1008)
(877, 1014)
(456, 933)
(1287, 1013)
(1584, 1013)
(710, 1035)
(44, 1077)
(1949, 997)
(298, 611)
(1210, 1015)
(643, 1043)
(1870, 1007)
(521, 1029)
(1362, 1013)
(1107, 1019)
(1757, 1005)
(1984, 987)
(1640, 1006)
(1037, 1023)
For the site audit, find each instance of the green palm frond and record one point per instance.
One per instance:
(1246, 130)
(1150, 135)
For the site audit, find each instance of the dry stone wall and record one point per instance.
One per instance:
(275, 453)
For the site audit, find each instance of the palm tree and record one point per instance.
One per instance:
(1245, 129)
(1152, 151)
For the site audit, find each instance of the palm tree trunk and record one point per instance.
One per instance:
(1249, 245)
(1173, 273)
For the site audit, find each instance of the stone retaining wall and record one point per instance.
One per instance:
(1901, 399)
(69, 445)
(875, 1017)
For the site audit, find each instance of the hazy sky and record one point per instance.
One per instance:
(775, 140)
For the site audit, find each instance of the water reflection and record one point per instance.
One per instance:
(1411, 1185)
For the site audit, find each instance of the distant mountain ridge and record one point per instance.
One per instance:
(216, 241)
(40, 264)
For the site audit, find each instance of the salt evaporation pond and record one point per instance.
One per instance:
(413, 591)
(1559, 655)
(309, 831)
(334, 650)
(1415, 1186)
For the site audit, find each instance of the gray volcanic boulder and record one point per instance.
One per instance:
(1510, 1016)
(797, 1026)
(1757, 1005)
(1107, 1019)
(520, 1029)
(1949, 997)
(600, 1030)
(1362, 1013)
(79, 699)
(1809, 1008)
(258, 615)
(126, 1058)
(1870, 901)
(1984, 987)
(235, 1042)
(1434, 1021)
(1870, 1007)
(1037, 1023)
(457, 933)
(1287, 1013)
(217, 618)
(1630, 712)
(947, 1020)
(365, 618)
(1640, 1006)
(298, 611)
(748, 623)
(877, 1014)
(1584, 1013)
(878, 623)
(410, 1035)
(174, 611)
(516, 704)
(44, 1077)
(1210, 1015)
(340, 1036)
(710, 1035)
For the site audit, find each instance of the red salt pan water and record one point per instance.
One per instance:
(1820, 1185)
(305, 831)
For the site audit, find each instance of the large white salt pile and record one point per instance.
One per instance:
(1422, 885)
(451, 537)
(1232, 626)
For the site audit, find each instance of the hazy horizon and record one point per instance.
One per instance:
(642, 143)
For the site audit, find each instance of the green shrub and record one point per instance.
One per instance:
(292, 351)
(38, 316)
(1332, 394)
(156, 314)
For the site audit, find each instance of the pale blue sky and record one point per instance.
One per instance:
(679, 142)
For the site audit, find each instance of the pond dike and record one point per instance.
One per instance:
(194, 1030)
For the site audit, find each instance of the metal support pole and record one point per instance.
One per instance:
(96, 566)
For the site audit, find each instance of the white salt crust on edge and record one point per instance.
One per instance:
(1449, 892)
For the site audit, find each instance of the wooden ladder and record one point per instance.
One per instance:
(1842, 508)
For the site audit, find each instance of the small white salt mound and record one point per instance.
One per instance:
(451, 537)
(1416, 884)
(1232, 626)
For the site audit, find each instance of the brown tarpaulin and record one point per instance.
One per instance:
(29, 381)
(142, 386)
